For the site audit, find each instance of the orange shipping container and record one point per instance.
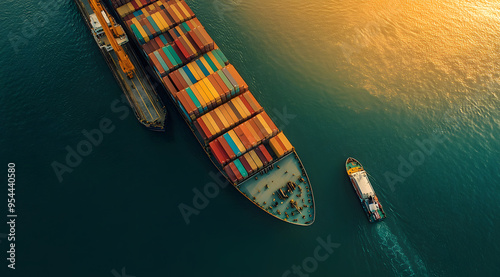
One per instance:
(284, 139)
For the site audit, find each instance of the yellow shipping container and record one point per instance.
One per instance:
(212, 90)
(222, 118)
(285, 141)
(202, 94)
(237, 106)
(214, 124)
(276, 147)
(264, 123)
(256, 159)
(207, 66)
(141, 30)
(243, 107)
(198, 71)
(237, 141)
(194, 72)
(198, 96)
(158, 22)
(209, 125)
(214, 60)
(250, 161)
(180, 16)
(203, 84)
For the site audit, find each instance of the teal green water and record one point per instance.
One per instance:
(382, 81)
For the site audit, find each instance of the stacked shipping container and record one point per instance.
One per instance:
(209, 91)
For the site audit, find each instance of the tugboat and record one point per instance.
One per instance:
(364, 190)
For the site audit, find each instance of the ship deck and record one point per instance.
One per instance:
(142, 97)
(262, 189)
(140, 92)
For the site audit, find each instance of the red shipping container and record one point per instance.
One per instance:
(246, 165)
(179, 53)
(226, 147)
(191, 40)
(147, 48)
(199, 129)
(182, 100)
(264, 151)
(261, 136)
(247, 105)
(154, 44)
(136, 7)
(248, 134)
(219, 153)
(183, 51)
(252, 101)
(188, 9)
(255, 133)
(242, 137)
(205, 128)
(190, 24)
(236, 171)
(156, 63)
(187, 103)
(176, 82)
(199, 44)
(168, 84)
(159, 42)
(230, 174)
(261, 156)
(180, 79)
(237, 77)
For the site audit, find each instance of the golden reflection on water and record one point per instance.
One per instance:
(409, 49)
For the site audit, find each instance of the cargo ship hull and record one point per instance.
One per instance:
(141, 97)
(236, 133)
(364, 190)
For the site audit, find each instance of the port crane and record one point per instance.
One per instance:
(115, 31)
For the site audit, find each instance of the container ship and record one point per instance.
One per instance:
(364, 190)
(126, 68)
(234, 130)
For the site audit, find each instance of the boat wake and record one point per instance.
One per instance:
(403, 259)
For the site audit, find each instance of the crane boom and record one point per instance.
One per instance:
(112, 33)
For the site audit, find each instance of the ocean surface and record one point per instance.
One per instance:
(409, 88)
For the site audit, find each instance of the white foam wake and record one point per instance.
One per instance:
(403, 259)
